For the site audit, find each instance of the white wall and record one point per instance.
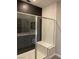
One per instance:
(49, 11)
(48, 25)
(52, 11)
(58, 32)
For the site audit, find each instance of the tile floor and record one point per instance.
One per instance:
(31, 55)
(55, 57)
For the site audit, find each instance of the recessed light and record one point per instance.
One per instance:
(34, 0)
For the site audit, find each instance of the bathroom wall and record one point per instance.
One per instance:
(48, 25)
(52, 11)
(49, 11)
(58, 31)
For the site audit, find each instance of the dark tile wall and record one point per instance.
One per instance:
(26, 43)
(28, 8)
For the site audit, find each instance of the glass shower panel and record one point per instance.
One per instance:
(26, 34)
(35, 36)
(44, 47)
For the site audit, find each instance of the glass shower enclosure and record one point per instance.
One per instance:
(36, 34)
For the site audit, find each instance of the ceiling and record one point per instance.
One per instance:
(41, 3)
